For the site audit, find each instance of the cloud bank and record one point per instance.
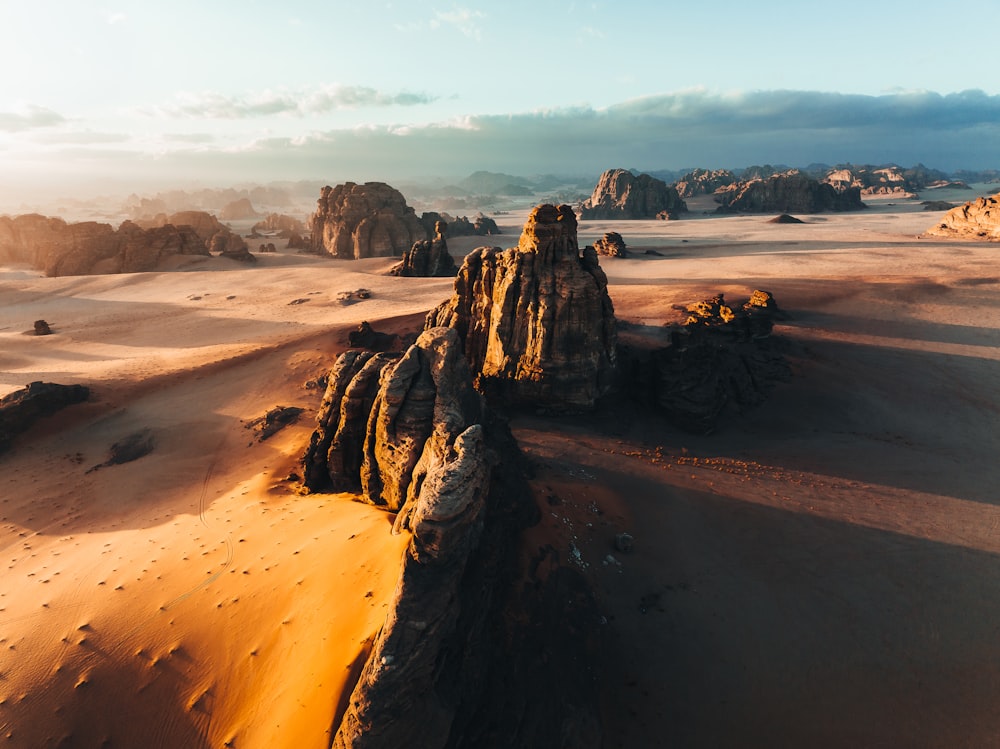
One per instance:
(686, 129)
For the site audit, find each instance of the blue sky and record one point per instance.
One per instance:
(155, 93)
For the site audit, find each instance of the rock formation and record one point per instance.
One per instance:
(279, 222)
(413, 436)
(619, 194)
(371, 220)
(703, 182)
(536, 320)
(428, 257)
(238, 210)
(204, 224)
(611, 245)
(789, 192)
(233, 246)
(785, 218)
(61, 249)
(721, 356)
(460, 226)
(22, 408)
(977, 219)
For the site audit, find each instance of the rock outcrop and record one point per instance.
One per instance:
(619, 194)
(355, 221)
(428, 257)
(977, 219)
(536, 320)
(238, 210)
(61, 249)
(218, 237)
(721, 356)
(412, 435)
(703, 182)
(611, 245)
(460, 226)
(789, 192)
(22, 408)
(281, 223)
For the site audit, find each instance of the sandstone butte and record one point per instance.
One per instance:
(977, 219)
(428, 257)
(789, 192)
(619, 194)
(355, 221)
(536, 320)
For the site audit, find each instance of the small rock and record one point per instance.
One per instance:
(42, 328)
(624, 542)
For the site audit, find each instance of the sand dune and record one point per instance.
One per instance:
(820, 572)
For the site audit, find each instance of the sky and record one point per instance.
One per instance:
(139, 95)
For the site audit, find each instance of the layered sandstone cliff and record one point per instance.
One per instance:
(355, 221)
(536, 320)
(619, 194)
(977, 219)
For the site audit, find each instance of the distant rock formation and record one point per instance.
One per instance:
(22, 408)
(238, 210)
(619, 194)
(977, 219)
(937, 205)
(61, 249)
(460, 226)
(218, 238)
(428, 257)
(355, 221)
(720, 356)
(281, 223)
(536, 320)
(611, 245)
(232, 246)
(703, 182)
(789, 192)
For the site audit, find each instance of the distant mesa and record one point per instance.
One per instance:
(536, 321)
(977, 219)
(611, 245)
(785, 218)
(788, 192)
(619, 194)
(937, 205)
(703, 182)
(238, 210)
(428, 257)
(355, 221)
(496, 183)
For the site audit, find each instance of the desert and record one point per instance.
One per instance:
(817, 569)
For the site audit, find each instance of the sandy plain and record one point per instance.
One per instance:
(821, 571)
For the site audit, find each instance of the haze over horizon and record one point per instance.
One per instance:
(141, 96)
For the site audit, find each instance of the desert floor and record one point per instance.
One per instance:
(821, 571)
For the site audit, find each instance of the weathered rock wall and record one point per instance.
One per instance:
(619, 194)
(371, 220)
(977, 219)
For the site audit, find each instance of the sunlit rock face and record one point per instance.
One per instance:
(619, 194)
(536, 320)
(371, 220)
(977, 219)
(789, 192)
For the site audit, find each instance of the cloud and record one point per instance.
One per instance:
(693, 128)
(463, 19)
(300, 103)
(29, 118)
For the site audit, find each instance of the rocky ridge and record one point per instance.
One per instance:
(536, 321)
(977, 219)
(788, 192)
(703, 182)
(355, 221)
(619, 194)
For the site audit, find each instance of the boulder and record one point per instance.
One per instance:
(977, 219)
(428, 257)
(536, 321)
(22, 408)
(619, 194)
(357, 221)
(611, 245)
(788, 192)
